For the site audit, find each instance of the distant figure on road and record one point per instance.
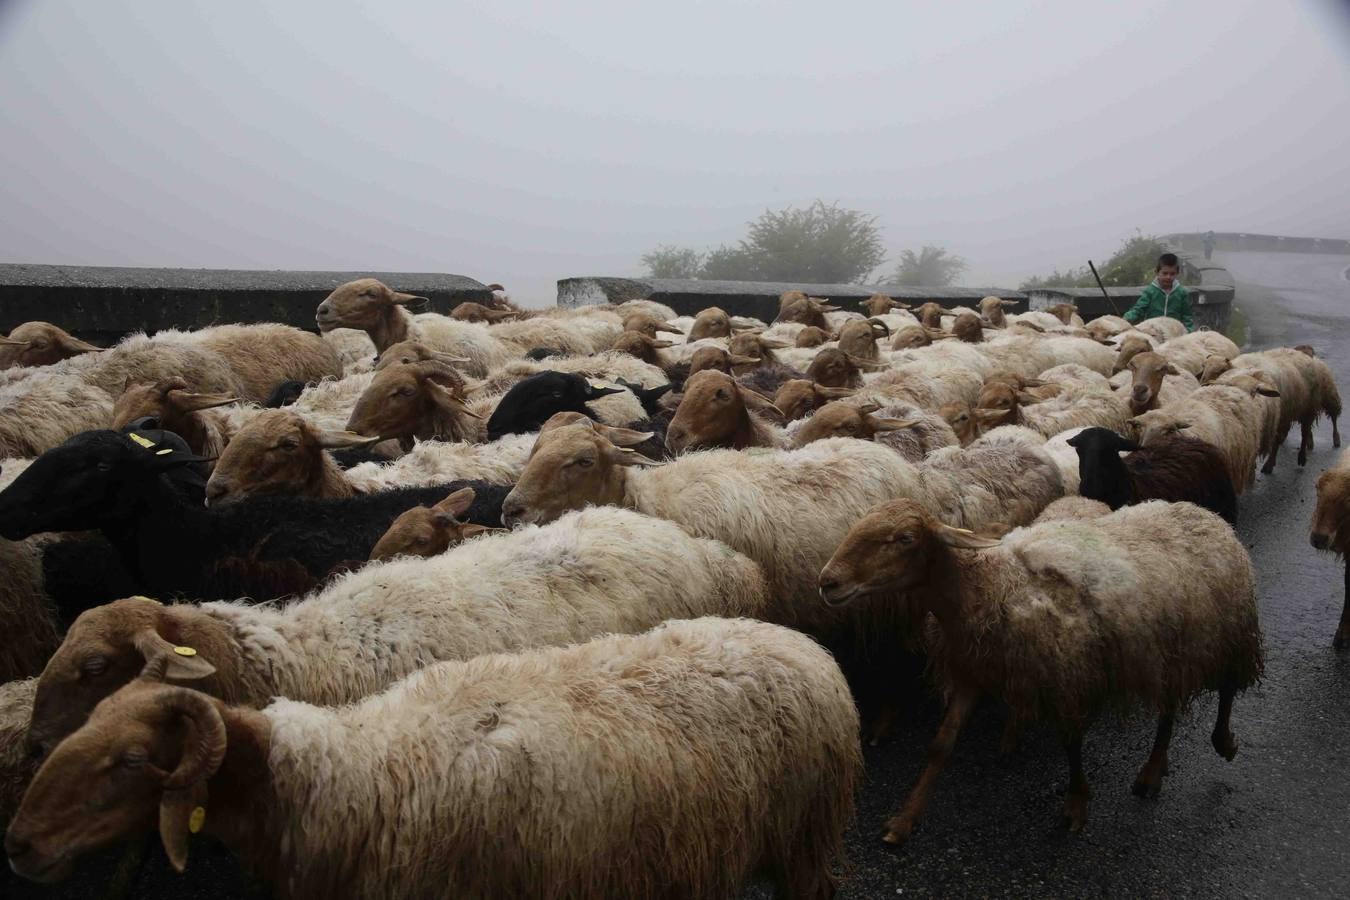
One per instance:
(1164, 297)
(1209, 244)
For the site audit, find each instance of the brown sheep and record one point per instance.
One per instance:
(962, 421)
(406, 352)
(795, 306)
(369, 305)
(811, 336)
(1148, 368)
(278, 452)
(718, 412)
(753, 346)
(430, 530)
(968, 328)
(1331, 531)
(712, 322)
(833, 367)
(645, 348)
(177, 409)
(798, 397)
(477, 312)
(719, 360)
(917, 336)
(262, 356)
(1063, 311)
(1146, 607)
(931, 313)
(413, 402)
(859, 338)
(40, 344)
(880, 304)
(1130, 346)
(906, 429)
(649, 325)
(994, 310)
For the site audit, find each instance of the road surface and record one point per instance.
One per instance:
(1275, 821)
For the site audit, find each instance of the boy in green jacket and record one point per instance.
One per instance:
(1164, 297)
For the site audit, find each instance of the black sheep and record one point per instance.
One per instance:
(262, 549)
(530, 402)
(1176, 468)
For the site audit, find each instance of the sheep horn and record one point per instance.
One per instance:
(202, 758)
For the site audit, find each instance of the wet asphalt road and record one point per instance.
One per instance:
(1275, 821)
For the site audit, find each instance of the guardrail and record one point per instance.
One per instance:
(103, 304)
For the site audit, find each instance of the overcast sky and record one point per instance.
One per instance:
(523, 143)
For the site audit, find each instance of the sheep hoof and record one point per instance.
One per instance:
(1302, 458)
(1336, 441)
(1074, 813)
(1339, 642)
(1145, 789)
(898, 831)
(1268, 468)
(1226, 746)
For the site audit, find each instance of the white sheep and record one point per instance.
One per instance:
(683, 761)
(592, 572)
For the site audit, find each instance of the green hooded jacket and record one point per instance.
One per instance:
(1153, 303)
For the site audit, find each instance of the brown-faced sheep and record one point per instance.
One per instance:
(178, 409)
(880, 305)
(1144, 608)
(429, 530)
(798, 398)
(1331, 530)
(906, 429)
(737, 741)
(858, 338)
(833, 367)
(420, 401)
(40, 344)
(717, 412)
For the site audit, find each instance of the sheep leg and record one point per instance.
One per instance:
(1342, 639)
(1305, 444)
(900, 827)
(1335, 433)
(1149, 781)
(1224, 743)
(1075, 809)
(884, 723)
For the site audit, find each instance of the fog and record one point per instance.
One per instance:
(523, 143)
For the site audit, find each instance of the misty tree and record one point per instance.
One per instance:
(669, 261)
(930, 267)
(820, 244)
(1131, 265)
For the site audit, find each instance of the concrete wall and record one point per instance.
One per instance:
(1193, 242)
(753, 298)
(103, 304)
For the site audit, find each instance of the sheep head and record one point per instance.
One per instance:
(798, 397)
(715, 412)
(1331, 518)
(795, 306)
(1000, 404)
(959, 416)
(1215, 366)
(173, 407)
(994, 310)
(718, 360)
(712, 322)
(841, 419)
(40, 344)
(1150, 426)
(812, 336)
(477, 312)
(859, 337)
(880, 304)
(833, 367)
(649, 325)
(912, 336)
(890, 549)
(1130, 346)
(362, 304)
(278, 452)
(146, 753)
(754, 349)
(645, 348)
(530, 402)
(105, 648)
(931, 313)
(430, 530)
(969, 328)
(1063, 311)
(570, 467)
(422, 399)
(1149, 368)
(407, 352)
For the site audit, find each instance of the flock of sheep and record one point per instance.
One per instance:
(585, 602)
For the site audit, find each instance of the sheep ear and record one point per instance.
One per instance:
(164, 661)
(743, 360)
(989, 415)
(342, 440)
(963, 538)
(447, 401)
(622, 456)
(1170, 369)
(456, 503)
(623, 437)
(659, 345)
(834, 393)
(759, 402)
(401, 299)
(1027, 399)
(1008, 303)
(71, 344)
(896, 304)
(868, 408)
(894, 424)
(596, 391)
(1266, 390)
(864, 363)
(447, 358)
(181, 814)
(473, 529)
(669, 328)
(944, 336)
(189, 402)
(773, 344)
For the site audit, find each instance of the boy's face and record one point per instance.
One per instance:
(1166, 276)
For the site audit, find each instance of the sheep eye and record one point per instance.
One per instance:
(39, 345)
(288, 444)
(95, 665)
(135, 757)
(103, 466)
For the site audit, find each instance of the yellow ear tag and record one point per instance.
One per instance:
(185, 651)
(197, 819)
(626, 450)
(165, 452)
(143, 441)
(597, 386)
